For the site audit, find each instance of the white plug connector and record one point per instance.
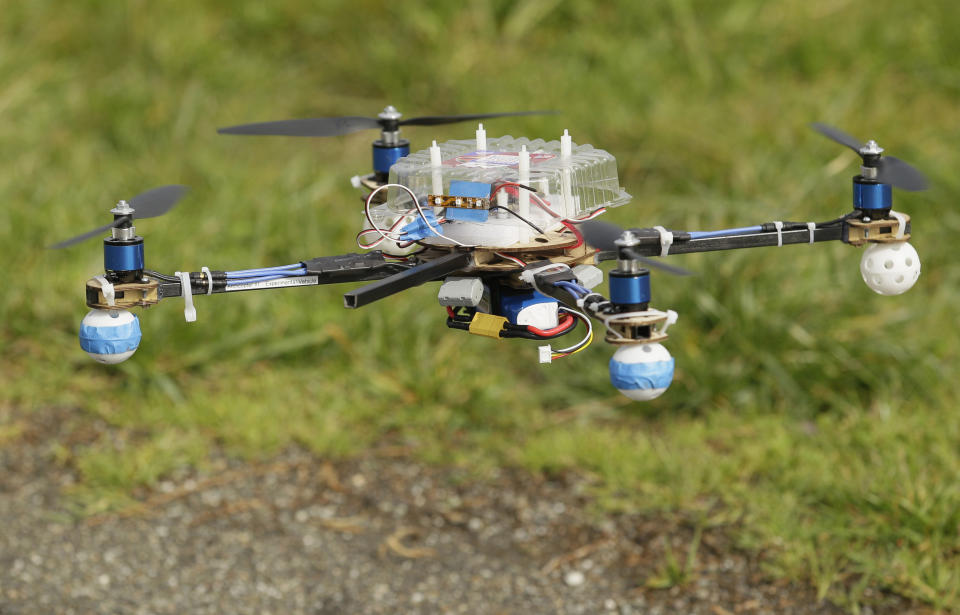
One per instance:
(588, 276)
(546, 354)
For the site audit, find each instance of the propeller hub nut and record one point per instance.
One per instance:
(122, 208)
(872, 148)
(390, 113)
(627, 239)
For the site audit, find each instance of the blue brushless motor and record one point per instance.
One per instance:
(385, 155)
(872, 196)
(123, 255)
(630, 289)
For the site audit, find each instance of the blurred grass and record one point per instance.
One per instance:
(821, 415)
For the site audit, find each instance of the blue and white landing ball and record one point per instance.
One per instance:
(110, 336)
(641, 371)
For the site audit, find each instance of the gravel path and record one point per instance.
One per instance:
(381, 534)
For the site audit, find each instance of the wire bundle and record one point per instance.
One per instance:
(247, 276)
(385, 233)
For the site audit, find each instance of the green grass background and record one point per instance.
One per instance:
(821, 416)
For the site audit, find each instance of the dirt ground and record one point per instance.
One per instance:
(378, 534)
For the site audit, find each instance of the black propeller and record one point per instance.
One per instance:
(890, 170)
(149, 204)
(389, 120)
(603, 236)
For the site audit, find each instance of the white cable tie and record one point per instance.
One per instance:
(206, 271)
(107, 289)
(671, 319)
(189, 312)
(779, 226)
(666, 240)
(902, 227)
(812, 226)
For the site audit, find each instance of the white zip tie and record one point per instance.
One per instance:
(812, 226)
(671, 320)
(189, 312)
(902, 219)
(107, 289)
(206, 271)
(666, 240)
(779, 226)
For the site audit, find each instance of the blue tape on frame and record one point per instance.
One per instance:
(478, 190)
(111, 340)
(631, 376)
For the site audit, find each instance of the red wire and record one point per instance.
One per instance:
(450, 312)
(563, 325)
(576, 233)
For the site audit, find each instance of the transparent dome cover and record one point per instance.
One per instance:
(572, 187)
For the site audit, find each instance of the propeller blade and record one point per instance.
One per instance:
(892, 170)
(837, 135)
(150, 204)
(66, 243)
(436, 120)
(649, 262)
(307, 127)
(603, 236)
(157, 201)
(600, 234)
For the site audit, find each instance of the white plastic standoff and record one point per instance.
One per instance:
(481, 138)
(779, 226)
(189, 312)
(523, 173)
(812, 226)
(666, 240)
(206, 271)
(108, 292)
(566, 151)
(436, 163)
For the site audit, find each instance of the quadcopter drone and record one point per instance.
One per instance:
(508, 227)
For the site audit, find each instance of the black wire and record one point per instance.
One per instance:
(524, 186)
(160, 276)
(531, 224)
(852, 214)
